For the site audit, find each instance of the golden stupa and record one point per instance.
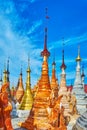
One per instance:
(27, 100)
(43, 112)
(20, 89)
(54, 82)
(42, 97)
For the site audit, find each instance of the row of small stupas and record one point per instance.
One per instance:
(49, 105)
(18, 93)
(48, 97)
(54, 106)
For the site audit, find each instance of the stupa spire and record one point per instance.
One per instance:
(63, 66)
(54, 64)
(45, 51)
(21, 70)
(27, 100)
(20, 79)
(78, 57)
(28, 84)
(63, 88)
(4, 75)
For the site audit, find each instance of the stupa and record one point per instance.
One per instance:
(19, 89)
(43, 112)
(68, 100)
(63, 89)
(54, 82)
(42, 97)
(78, 89)
(27, 100)
(62, 86)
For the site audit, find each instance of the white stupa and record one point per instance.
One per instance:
(78, 89)
(63, 88)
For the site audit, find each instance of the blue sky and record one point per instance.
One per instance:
(22, 25)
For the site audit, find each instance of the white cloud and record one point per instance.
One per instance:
(69, 41)
(36, 24)
(17, 47)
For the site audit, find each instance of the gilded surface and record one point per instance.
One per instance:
(5, 109)
(27, 100)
